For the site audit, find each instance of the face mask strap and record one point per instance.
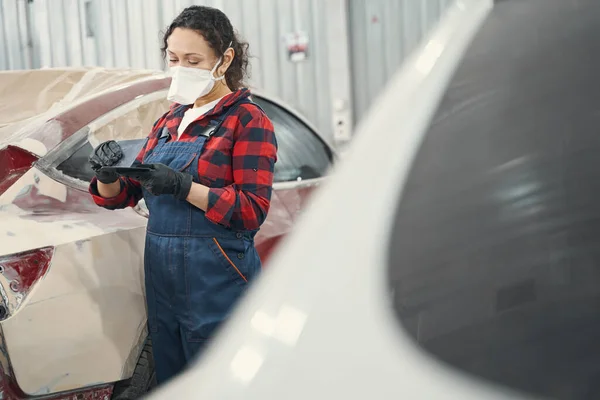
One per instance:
(218, 64)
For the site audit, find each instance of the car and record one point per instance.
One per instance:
(454, 251)
(72, 310)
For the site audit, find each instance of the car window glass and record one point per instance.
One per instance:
(301, 153)
(494, 262)
(130, 127)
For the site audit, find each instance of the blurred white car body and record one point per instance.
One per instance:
(319, 325)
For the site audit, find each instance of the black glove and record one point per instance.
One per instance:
(105, 155)
(161, 179)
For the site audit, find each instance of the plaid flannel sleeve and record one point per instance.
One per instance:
(244, 204)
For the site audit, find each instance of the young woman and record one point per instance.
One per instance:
(208, 187)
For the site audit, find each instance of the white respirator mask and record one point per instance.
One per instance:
(189, 84)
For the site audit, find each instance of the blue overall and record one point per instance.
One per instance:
(195, 269)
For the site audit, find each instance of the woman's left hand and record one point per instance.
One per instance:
(161, 179)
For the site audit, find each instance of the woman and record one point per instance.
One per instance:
(208, 187)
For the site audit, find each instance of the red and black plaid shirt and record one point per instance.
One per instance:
(236, 163)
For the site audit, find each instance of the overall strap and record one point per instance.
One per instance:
(215, 123)
(164, 134)
(219, 120)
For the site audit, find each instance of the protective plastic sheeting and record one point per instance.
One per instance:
(32, 94)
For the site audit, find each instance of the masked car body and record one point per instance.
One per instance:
(71, 273)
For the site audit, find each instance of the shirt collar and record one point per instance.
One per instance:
(222, 106)
(173, 119)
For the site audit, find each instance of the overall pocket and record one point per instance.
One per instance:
(232, 255)
(188, 163)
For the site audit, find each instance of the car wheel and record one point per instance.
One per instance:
(143, 379)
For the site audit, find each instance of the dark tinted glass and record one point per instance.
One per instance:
(301, 154)
(495, 253)
(77, 165)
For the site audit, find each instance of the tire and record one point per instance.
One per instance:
(143, 379)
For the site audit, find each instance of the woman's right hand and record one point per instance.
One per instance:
(105, 155)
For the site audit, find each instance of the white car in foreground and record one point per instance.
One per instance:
(454, 253)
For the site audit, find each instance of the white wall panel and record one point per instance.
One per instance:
(57, 30)
(88, 30)
(337, 58)
(321, 67)
(118, 35)
(14, 53)
(135, 32)
(74, 34)
(103, 32)
(152, 26)
(383, 33)
(269, 48)
(42, 33)
(252, 33)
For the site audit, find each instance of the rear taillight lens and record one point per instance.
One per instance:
(18, 273)
(14, 162)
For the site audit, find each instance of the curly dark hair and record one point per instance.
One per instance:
(216, 29)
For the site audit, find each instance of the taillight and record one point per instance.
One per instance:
(14, 162)
(18, 273)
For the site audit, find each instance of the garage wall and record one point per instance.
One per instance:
(15, 48)
(354, 45)
(382, 35)
(126, 33)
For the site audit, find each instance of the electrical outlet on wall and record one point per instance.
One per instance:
(341, 122)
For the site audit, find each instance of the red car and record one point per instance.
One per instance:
(72, 314)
